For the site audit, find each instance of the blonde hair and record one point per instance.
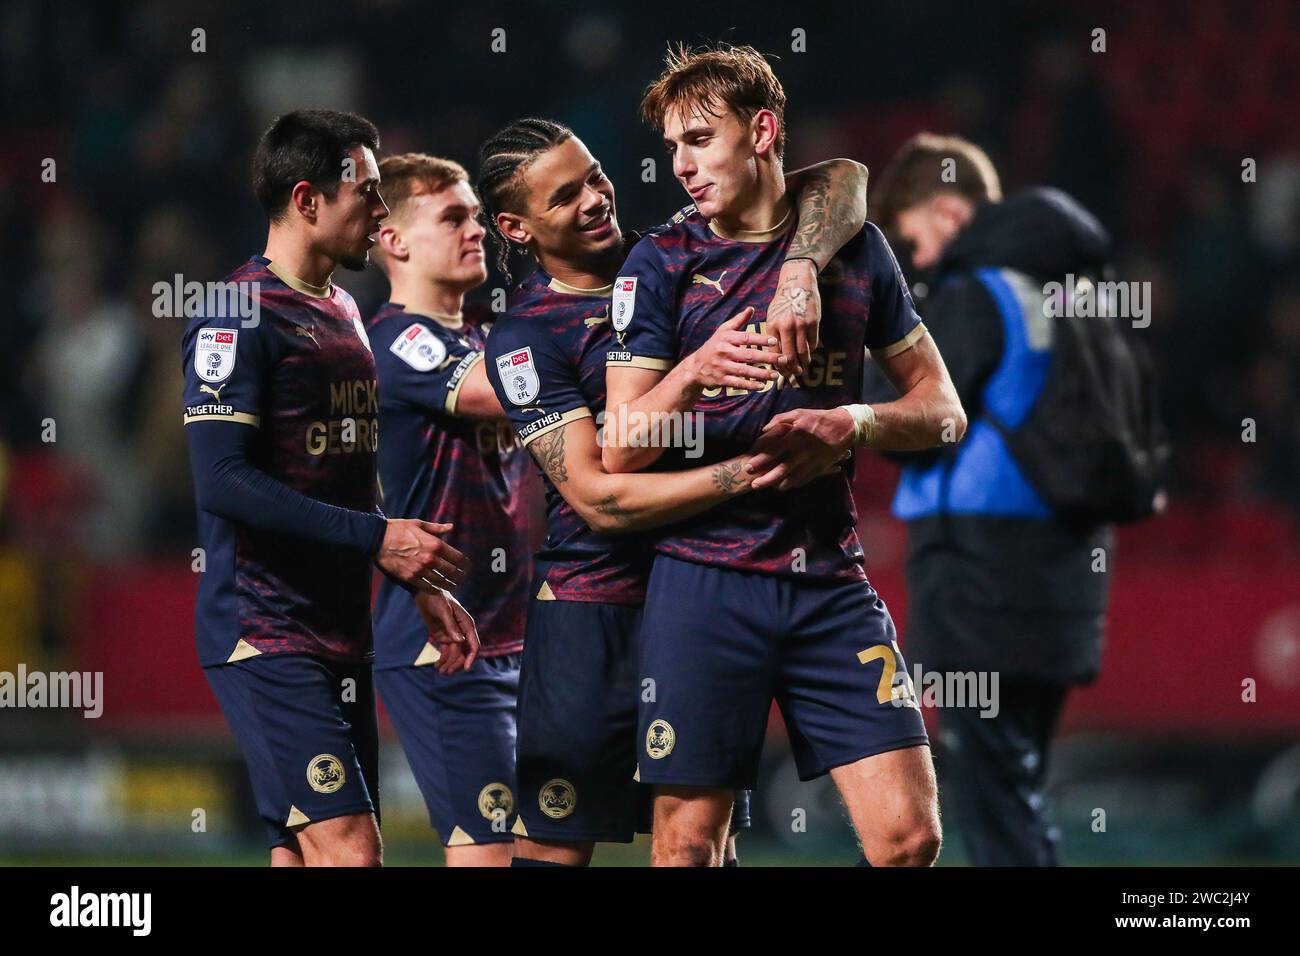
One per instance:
(716, 78)
(406, 175)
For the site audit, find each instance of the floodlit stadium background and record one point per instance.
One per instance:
(152, 142)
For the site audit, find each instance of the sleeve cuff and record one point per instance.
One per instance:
(242, 418)
(376, 528)
(458, 379)
(548, 423)
(903, 344)
(627, 360)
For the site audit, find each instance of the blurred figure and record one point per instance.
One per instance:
(997, 582)
(87, 364)
(1274, 389)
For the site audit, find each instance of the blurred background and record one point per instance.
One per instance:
(152, 141)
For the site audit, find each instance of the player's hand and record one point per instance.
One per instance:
(732, 357)
(795, 315)
(798, 446)
(414, 552)
(451, 630)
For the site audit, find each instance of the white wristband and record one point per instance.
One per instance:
(864, 420)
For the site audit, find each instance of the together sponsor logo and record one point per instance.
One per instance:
(73, 690)
(78, 909)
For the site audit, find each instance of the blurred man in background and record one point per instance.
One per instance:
(448, 455)
(997, 582)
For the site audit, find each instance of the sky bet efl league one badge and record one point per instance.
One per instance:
(419, 348)
(519, 375)
(624, 302)
(214, 354)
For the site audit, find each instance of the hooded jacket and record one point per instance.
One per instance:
(995, 582)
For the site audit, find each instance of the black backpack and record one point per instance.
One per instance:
(1094, 445)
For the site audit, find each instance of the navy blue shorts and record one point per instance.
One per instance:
(578, 693)
(458, 732)
(720, 645)
(307, 729)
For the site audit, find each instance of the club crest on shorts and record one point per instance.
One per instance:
(659, 739)
(624, 302)
(519, 375)
(419, 348)
(214, 353)
(495, 800)
(325, 773)
(557, 798)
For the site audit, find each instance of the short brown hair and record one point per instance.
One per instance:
(921, 168)
(310, 145)
(716, 78)
(407, 175)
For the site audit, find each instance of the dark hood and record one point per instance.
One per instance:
(1042, 232)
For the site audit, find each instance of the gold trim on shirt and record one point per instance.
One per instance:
(242, 417)
(572, 415)
(453, 395)
(306, 288)
(555, 285)
(442, 318)
(902, 345)
(753, 235)
(640, 361)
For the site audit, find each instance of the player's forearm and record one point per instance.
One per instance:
(928, 415)
(832, 204)
(228, 485)
(630, 427)
(625, 503)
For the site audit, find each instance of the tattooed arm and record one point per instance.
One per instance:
(570, 457)
(832, 202)
(731, 358)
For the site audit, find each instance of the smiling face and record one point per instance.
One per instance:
(440, 235)
(716, 158)
(569, 208)
(348, 224)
